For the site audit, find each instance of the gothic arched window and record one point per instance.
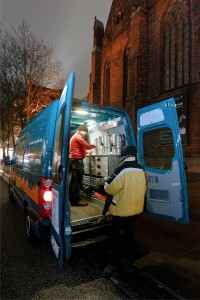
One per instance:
(120, 17)
(176, 46)
(106, 85)
(125, 75)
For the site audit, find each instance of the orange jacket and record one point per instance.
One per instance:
(78, 147)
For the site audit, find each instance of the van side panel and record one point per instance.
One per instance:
(32, 161)
(39, 135)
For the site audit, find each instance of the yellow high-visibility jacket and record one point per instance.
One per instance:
(128, 187)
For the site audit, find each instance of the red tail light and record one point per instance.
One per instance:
(45, 197)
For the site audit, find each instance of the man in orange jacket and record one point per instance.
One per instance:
(78, 151)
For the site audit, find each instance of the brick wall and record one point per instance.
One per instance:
(138, 26)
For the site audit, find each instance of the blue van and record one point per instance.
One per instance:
(40, 171)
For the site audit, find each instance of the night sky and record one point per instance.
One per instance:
(66, 25)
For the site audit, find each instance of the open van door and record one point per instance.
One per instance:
(160, 153)
(60, 218)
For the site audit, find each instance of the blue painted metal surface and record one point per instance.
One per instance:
(167, 195)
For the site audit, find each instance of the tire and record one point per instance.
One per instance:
(31, 237)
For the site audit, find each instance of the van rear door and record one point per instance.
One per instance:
(160, 153)
(60, 218)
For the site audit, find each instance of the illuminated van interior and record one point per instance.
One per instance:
(108, 132)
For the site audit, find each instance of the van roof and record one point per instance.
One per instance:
(84, 112)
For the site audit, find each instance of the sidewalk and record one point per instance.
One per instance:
(170, 251)
(5, 172)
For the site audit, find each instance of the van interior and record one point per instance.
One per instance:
(108, 131)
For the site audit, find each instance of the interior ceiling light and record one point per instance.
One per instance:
(91, 122)
(81, 112)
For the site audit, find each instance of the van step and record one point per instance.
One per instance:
(91, 221)
(89, 241)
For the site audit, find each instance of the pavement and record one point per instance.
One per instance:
(169, 252)
(5, 172)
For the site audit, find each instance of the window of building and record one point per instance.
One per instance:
(120, 17)
(125, 75)
(106, 92)
(176, 47)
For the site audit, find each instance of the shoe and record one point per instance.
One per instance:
(127, 266)
(108, 271)
(80, 203)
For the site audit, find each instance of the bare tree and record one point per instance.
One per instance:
(30, 77)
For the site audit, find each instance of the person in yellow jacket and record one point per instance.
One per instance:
(127, 185)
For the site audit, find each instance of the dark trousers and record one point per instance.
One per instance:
(77, 170)
(122, 241)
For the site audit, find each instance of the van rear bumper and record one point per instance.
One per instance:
(43, 226)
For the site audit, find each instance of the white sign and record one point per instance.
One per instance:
(55, 247)
(151, 117)
(55, 210)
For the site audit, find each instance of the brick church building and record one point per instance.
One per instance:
(150, 51)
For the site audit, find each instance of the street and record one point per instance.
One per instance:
(30, 271)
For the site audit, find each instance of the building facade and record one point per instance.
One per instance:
(150, 51)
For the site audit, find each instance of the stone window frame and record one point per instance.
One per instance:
(126, 58)
(120, 17)
(176, 47)
(106, 83)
